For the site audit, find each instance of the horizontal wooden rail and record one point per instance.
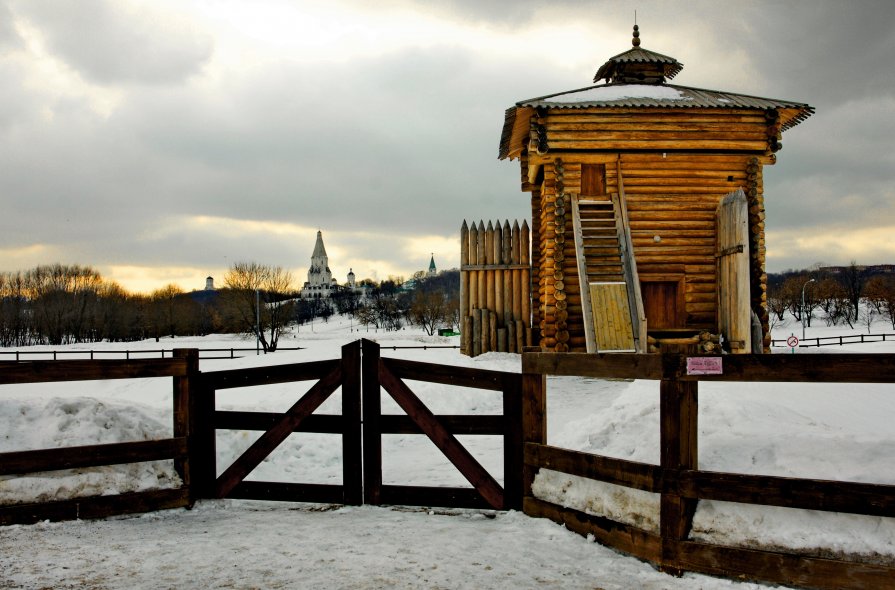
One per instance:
(788, 492)
(831, 368)
(86, 370)
(446, 375)
(288, 492)
(91, 456)
(95, 506)
(457, 425)
(454, 497)
(836, 340)
(234, 420)
(640, 476)
(268, 375)
(128, 354)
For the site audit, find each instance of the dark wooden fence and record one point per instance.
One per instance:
(196, 421)
(181, 368)
(679, 481)
(363, 375)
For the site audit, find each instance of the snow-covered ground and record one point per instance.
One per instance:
(808, 430)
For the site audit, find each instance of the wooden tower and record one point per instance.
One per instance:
(631, 241)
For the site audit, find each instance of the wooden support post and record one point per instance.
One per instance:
(513, 448)
(372, 410)
(464, 281)
(534, 417)
(184, 401)
(492, 331)
(511, 337)
(352, 443)
(678, 410)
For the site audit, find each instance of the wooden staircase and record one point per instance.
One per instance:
(610, 290)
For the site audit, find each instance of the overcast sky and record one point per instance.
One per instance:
(162, 141)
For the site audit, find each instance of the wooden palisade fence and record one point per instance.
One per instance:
(495, 288)
(678, 479)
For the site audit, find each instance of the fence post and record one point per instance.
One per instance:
(184, 409)
(513, 448)
(534, 416)
(371, 408)
(678, 411)
(352, 442)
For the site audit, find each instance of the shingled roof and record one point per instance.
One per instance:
(637, 79)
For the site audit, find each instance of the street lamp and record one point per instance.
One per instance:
(803, 306)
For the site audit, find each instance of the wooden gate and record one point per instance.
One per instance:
(362, 374)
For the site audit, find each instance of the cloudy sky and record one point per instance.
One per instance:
(162, 141)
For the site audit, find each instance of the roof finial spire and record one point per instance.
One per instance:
(636, 40)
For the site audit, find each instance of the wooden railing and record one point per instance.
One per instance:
(678, 479)
(181, 368)
(196, 419)
(837, 340)
(126, 354)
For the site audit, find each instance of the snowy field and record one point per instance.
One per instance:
(824, 431)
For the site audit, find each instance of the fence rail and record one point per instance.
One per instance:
(837, 340)
(680, 483)
(204, 353)
(180, 368)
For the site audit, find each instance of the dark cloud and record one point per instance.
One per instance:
(109, 43)
(379, 149)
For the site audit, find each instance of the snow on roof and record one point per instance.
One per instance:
(618, 91)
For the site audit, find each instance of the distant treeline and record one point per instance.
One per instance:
(63, 304)
(834, 294)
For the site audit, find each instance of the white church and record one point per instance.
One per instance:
(320, 283)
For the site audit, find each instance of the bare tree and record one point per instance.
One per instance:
(257, 297)
(880, 293)
(853, 280)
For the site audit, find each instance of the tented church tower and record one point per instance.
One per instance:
(320, 279)
(634, 240)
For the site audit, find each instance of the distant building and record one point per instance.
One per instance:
(320, 283)
(209, 283)
(432, 270)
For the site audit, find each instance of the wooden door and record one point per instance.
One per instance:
(660, 304)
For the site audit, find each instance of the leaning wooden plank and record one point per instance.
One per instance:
(95, 506)
(91, 456)
(780, 568)
(612, 317)
(48, 371)
(268, 441)
(641, 476)
(456, 453)
(623, 537)
(811, 494)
